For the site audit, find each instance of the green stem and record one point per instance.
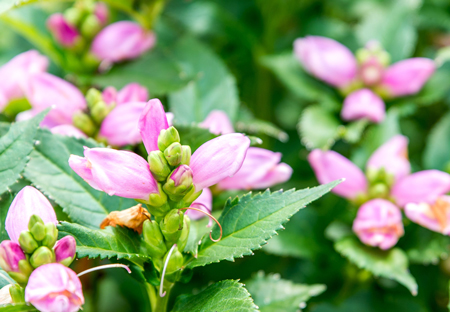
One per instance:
(158, 303)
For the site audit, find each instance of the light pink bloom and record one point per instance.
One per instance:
(29, 201)
(361, 104)
(121, 41)
(203, 202)
(408, 76)
(379, 223)
(371, 72)
(65, 248)
(326, 59)
(14, 75)
(434, 216)
(393, 157)
(114, 172)
(64, 33)
(68, 130)
(423, 186)
(151, 122)
(132, 92)
(109, 95)
(10, 255)
(330, 166)
(54, 288)
(261, 168)
(101, 12)
(181, 174)
(217, 122)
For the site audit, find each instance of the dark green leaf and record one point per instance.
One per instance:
(5, 202)
(5, 279)
(437, 150)
(429, 248)
(197, 230)
(17, 307)
(248, 222)
(49, 170)
(223, 296)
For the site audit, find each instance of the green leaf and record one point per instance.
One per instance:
(272, 294)
(6, 5)
(428, 247)
(5, 279)
(354, 130)
(248, 222)
(5, 202)
(262, 127)
(318, 128)
(223, 296)
(392, 264)
(49, 170)
(17, 307)
(437, 150)
(197, 230)
(112, 242)
(4, 128)
(15, 146)
(194, 136)
(213, 86)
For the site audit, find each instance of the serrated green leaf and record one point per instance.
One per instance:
(17, 307)
(5, 202)
(5, 279)
(318, 128)
(273, 294)
(194, 136)
(197, 230)
(212, 88)
(49, 170)
(392, 264)
(437, 150)
(112, 242)
(15, 146)
(224, 296)
(248, 222)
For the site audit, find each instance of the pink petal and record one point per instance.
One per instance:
(279, 174)
(132, 92)
(218, 122)
(64, 33)
(68, 130)
(65, 248)
(152, 121)
(363, 104)
(109, 95)
(204, 201)
(422, 214)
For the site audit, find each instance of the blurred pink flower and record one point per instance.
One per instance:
(361, 104)
(132, 92)
(68, 130)
(101, 12)
(64, 33)
(217, 122)
(203, 202)
(65, 249)
(434, 216)
(10, 255)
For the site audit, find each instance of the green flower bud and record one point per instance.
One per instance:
(93, 96)
(42, 255)
(189, 198)
(51, 235)
(17, 293)
(154, 239)
(185, 154)
(158, 199)
(174, 266)
(171, 226)
(173, 154)
(90, 26)
(372, 174)
(158, 165)
(99, 111)
(83, 122)
(36, 227)
(25, 267)
(179, 183)
(20, 278)
(182, 241)
(27, 242)
(73, 16)
(379, 190)
(167, 137)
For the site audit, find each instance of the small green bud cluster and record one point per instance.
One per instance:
(373, 50)
(380, 184)
(82, 16)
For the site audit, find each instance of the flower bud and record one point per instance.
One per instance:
(154, 239)
(185, 155)
(173, 154)
(83, 122)
(158, 200)
(64, 33)
(27, 242)
(132, 92)
(36, 227)
(100, 111)
(93, 96)
(179, 183)
(17, 293)
(158, 165)
(51, 235)
(379, 190)
(42, 255)
(73, 16)
(171, 226)
(10, 255)
(174, 265)
(182, 241)
(65, 250)
(90, 26)
(167, 137)
(101, 12)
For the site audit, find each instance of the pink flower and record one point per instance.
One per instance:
(330, 166)
(101, 12)
(203, 202)
(434, 216)
(153, 119)
(54, 288)
(14, 75)
(408, 76)
(121, 41)
(109, 95)
(132, 92)
(68, 130)
(114, 172)
(261, 169)
(218, 122)
(361, 104)
(65, 249)
(379, 223)
(327, 60)
(10, 255)
(29, 201)
(66, 34)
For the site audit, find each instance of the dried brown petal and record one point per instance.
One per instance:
(132, 218)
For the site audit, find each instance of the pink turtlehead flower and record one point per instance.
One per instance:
(54, 288)
(203, 202)
(132, 92)
(434, 216)
(122, 41)
(65, 248)
(65, 34)
(379, 224)
(326, 59)
(68, 130)
(101, 12)
(261, 169)
(14, 75)
(361, 104)
(29, 201)
(10, 255)
(217, 122)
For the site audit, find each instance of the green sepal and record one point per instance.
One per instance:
(51, 235)
(182, 241)
(171, 226)
(173, 154)
(27, 242)
(83, 122)
(158, 165)
(17, 293)
(42, 255)
(185, 154)
(167, 137)
(154, 239)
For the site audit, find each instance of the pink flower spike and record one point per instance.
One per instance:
(434, 216)
(65, 248)
(122, 41)
(109, 95)
(393, 157)
(114, 172)
(64, 33)
(423, 186)
(218, 158)
(68, 130)
(363, 104)
(54, 288)
(132, 92)
(10, 255)
(217, 122)
(330, 166)
(153, 119)
(29, 201)
(203, 202)
(120, 127)
(379, 224)
(326, 59)
(408, 76)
